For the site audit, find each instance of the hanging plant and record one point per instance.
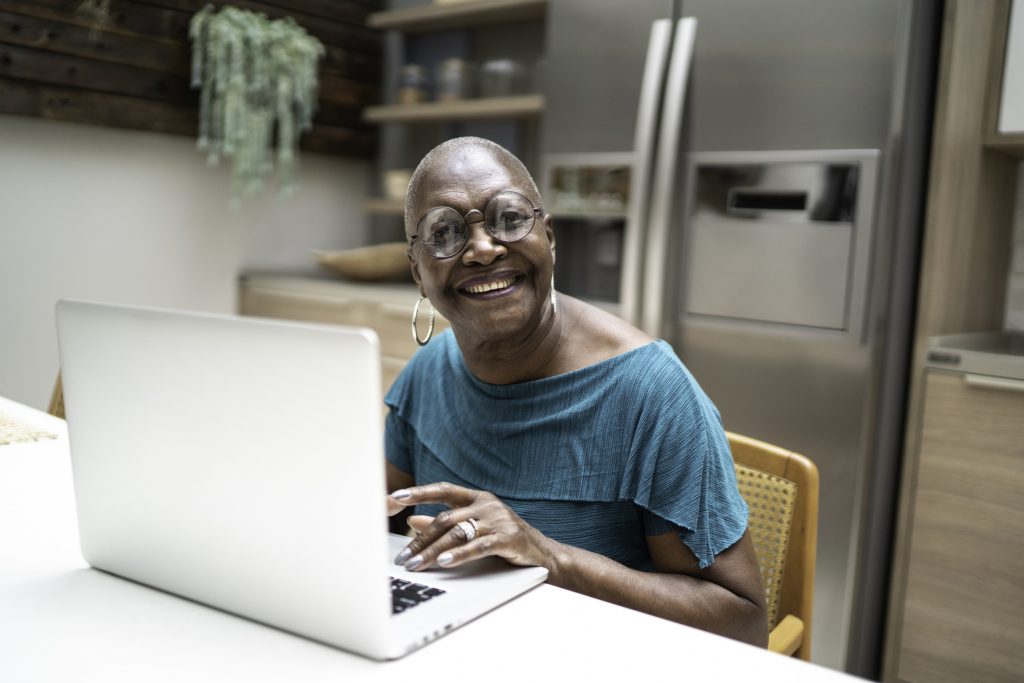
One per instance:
(257, 77)
(97, 17)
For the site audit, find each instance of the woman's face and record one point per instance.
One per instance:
(491, 290)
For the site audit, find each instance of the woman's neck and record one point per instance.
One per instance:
(538, 353)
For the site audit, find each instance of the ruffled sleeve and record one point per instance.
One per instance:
(680, 469)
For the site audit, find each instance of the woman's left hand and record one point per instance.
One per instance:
(449, 538)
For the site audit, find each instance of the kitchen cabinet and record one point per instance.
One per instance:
(963, 604)
(955, 565)
(384, 308)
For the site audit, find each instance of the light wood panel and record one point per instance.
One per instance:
(445, 16)
(796, 594)
(970, 195)
(383, 205)
(461, 110)
(964, 606)
(965, 253)
(132, 69)
(387, 309)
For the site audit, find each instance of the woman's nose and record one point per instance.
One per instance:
(481, 247)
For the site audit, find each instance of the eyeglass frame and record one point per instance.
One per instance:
(538, 211)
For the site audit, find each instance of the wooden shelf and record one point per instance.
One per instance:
(459, 110)
(383, 205)
(592, 214)
(1008, 143)
(440, 17)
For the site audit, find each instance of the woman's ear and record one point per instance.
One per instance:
(549, 230)
(414, 267)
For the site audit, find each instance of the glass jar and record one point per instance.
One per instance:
(454, 80)
(502, 78)
(412, 84)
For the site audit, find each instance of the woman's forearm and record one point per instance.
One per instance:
(678, 597)
(726, 598)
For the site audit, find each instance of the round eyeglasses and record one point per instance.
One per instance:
(508, 217)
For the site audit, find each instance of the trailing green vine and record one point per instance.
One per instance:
(257, 77)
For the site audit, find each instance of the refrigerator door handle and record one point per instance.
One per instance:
(666, 182)
(639, 185)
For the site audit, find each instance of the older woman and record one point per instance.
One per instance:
(547, 432)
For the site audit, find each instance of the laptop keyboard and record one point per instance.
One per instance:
(406, 594)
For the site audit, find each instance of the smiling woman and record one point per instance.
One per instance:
(547, 432)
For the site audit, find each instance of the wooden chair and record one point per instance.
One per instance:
(57, 399)
(781, 490)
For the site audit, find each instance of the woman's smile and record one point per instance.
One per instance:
(494, 293)
(490, 286)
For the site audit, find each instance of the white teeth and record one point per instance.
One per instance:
(490, 286)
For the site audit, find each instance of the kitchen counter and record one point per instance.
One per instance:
(993, 354)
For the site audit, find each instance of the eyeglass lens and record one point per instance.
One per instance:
(508, 217)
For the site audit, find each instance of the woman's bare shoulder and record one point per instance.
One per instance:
(598, 335)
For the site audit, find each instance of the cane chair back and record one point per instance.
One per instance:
(57, 399)
(781, 490)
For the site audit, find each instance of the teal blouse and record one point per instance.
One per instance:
(598, 458)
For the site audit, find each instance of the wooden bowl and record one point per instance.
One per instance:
(376, 263)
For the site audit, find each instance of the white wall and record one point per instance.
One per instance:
(1011, 108)
(123, 216)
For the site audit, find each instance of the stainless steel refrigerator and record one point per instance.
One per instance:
(745, 178)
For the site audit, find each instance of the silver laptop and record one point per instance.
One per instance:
(239, 462)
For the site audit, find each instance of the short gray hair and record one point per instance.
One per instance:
(443, 153)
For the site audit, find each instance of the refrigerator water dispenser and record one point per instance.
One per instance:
(781, 240)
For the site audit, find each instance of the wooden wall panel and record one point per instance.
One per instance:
(132, 69)
(964, 599)
(965, 255)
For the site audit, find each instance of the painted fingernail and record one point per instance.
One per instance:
(401, 557)
(415, 562)
(401, 494)
(445, 559)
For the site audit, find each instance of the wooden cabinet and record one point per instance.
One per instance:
(963, 609)
(957, 554)
(384, 308)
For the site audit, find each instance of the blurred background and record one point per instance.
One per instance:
(815, 201)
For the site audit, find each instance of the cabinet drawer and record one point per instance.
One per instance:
(964, 604)
(390, 318)
(302, 306)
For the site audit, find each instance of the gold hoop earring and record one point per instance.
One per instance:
(554, 299)
(430, 330)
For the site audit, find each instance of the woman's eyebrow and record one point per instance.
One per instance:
(465, 205)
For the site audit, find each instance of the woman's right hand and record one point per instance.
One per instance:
(476, 524)
(394, 507)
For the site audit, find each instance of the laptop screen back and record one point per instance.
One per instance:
(237, 462)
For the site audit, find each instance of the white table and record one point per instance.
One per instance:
(62, 621)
